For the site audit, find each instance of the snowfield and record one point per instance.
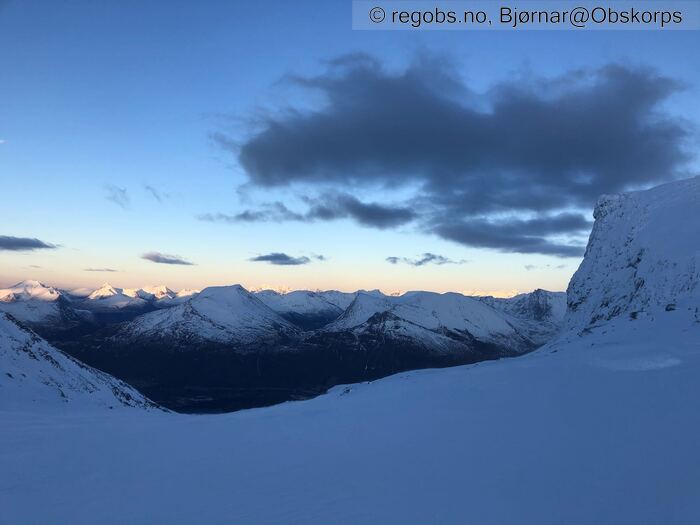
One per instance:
(599, 426)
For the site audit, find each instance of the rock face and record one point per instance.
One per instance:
(36, 376)
(643, 257)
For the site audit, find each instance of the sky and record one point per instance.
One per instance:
(268, 144)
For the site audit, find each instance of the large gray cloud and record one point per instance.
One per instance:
(163, 258)
(19, 244)
(526, 146)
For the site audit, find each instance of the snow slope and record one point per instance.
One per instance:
(36, 376)
(223, 314)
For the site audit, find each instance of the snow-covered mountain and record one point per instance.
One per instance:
(36, 304)
(642, 259)
(222, 314)
(433, 321)
(539, 305)
(364, 306)
(37, 376)
(108, 297)
(540, 313)
(304, 308)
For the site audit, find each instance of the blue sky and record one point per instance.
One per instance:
(128, 94)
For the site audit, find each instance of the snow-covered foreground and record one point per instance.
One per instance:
(599, 429)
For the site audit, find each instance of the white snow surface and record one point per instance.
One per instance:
(227, 314)
(34, 376)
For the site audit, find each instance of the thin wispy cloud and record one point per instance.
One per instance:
(19, 244)
(164, 258)
(330, 206)
(118, 196)
(515, 168)
(530, 267)
(282, 259)
(426, 258)
(100, 270)
(158, 195)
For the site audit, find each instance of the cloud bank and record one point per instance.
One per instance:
(516, 168)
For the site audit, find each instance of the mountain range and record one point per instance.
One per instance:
(225, 347)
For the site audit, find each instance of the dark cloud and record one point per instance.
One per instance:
(20, 244)
(282, 259)
(163, 258)
(118, 196)
(426, 258)
(525, 147)
(99, 270)
(329, 206)
(517, 235)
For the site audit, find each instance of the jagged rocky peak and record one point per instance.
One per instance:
(37, 376)
(642, 258)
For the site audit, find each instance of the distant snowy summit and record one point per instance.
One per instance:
(642, 259)
(35, 303)
(37, 376)
(108, 297)
(52, 310)
(222, 314)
